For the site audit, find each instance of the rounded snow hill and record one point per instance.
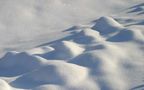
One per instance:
(88, 36)
(127, 35)
(64, 50)
(14, 63)
(96, 57)
(54, 72)
(4, 85)
(107, 25)
(104, 66)
(89, 60)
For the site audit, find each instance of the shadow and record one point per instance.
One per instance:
(51, 56)
(104, 27)
(97, 47)
(137, 8)
(140, 87)
(142, 4)
(94, 21)
(128, 20)
(71, 29)
(41, 76)
(122, 36)
(26, 83)
(74, 36)
(11, 72)
(141, 13)
(57, 41)
(17, 64)
(140, 23)
(137, 23)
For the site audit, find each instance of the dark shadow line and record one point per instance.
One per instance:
(138, 87)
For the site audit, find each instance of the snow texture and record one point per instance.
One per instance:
(103, 54)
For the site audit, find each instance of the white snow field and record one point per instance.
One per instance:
(71, 45)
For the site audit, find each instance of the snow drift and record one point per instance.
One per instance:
(103, 54)
(88, 36)
(18, 63)
(106, 25)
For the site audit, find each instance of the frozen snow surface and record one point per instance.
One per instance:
(72, 45)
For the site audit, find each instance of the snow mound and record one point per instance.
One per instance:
(127, 35)
(95, 57)
(104, 64)
(64, 50)
(107, 25)
(87, 59)
(17, 63)
(105, 54)
(4, 85)
(54, 72)
(88, 36)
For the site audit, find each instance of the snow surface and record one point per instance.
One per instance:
(71, 45)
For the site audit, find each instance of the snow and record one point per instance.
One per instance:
(106, 25)
(55, 72)
(11, 63)
(88, 36)
(71, 45)
(41, 50)
(127, 35)
(69, 49)
(4, 85)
